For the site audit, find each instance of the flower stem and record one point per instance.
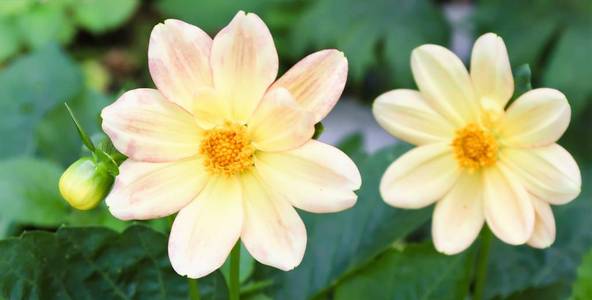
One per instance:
(482, 261)
(193, 289)
(234, 272)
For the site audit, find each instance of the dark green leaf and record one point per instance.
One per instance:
(29, 88)
(582, 289)
(513, 269)
(416, 272)
(101, 15)
(359, 28)
(340, 243)
(95, 263)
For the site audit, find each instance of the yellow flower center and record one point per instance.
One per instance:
(474, 147)
(227, 150)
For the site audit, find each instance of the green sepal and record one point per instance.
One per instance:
(106, 162)
(319, 128)
(83, 136)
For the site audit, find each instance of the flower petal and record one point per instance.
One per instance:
(491, 71)
(508, 209)
(543, 234)
(420, 177)
(273, 232)
(458, 217)
(444, 82)
(244, 63)
(537, 118)
(210, 109)
(179, 61)
(316, 81)
(407, 116)
(315, 177)
(146, 127)
(279, 123)
(145, 190)
(550, 173)
(205, 231)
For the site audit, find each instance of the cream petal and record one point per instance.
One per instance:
(205, 231)
(543, 234)
(508, 209)
(273, 232)
(407, 116)
(491, 71)
(458, 217)
(420, 177)
(179, 61)
(244, 63)
(314, 177)
(550, 172)
(145, 190)
(537, 118)
(146, 127)
(316, 81)
(444, 82)
(279, 124)
(210, 109)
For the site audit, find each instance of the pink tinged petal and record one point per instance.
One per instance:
(508, 207)
(458, 217)
(146, 127)
(152, 190)
(244, 63)
(279, 123)
(491, 71)
(317, 81)
(315, 177)
(543, 234)
(178, 58)
(273, 232)
(205, 231)
(537, 118)
(407, 116)
(444, 82)
(549, 173)
(420, 177)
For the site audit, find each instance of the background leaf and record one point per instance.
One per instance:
(101, 15)
(95, 263)
(583, 286)
(415, 272)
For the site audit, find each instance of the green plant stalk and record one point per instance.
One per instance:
(193, 289)
(234, 285)
(482, 261)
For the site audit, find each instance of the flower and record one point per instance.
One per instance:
(228, 148)
(478, 161)
(85, 183)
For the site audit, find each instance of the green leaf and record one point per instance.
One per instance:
(29, 193)
(569, 70)
(95, 263)
(416, 272)
(582, 289)
(358, 29)
(46, 22)
(29, 88)
(10, 41)
(340, 243)
(517, 268)
(101, 15)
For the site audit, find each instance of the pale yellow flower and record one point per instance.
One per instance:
(477, 159)
(228, 148)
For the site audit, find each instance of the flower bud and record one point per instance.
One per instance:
(85, 183)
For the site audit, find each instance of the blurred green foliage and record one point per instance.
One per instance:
(87, 52)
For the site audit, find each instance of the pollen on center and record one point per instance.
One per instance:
(474, 147)
(227, 150)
